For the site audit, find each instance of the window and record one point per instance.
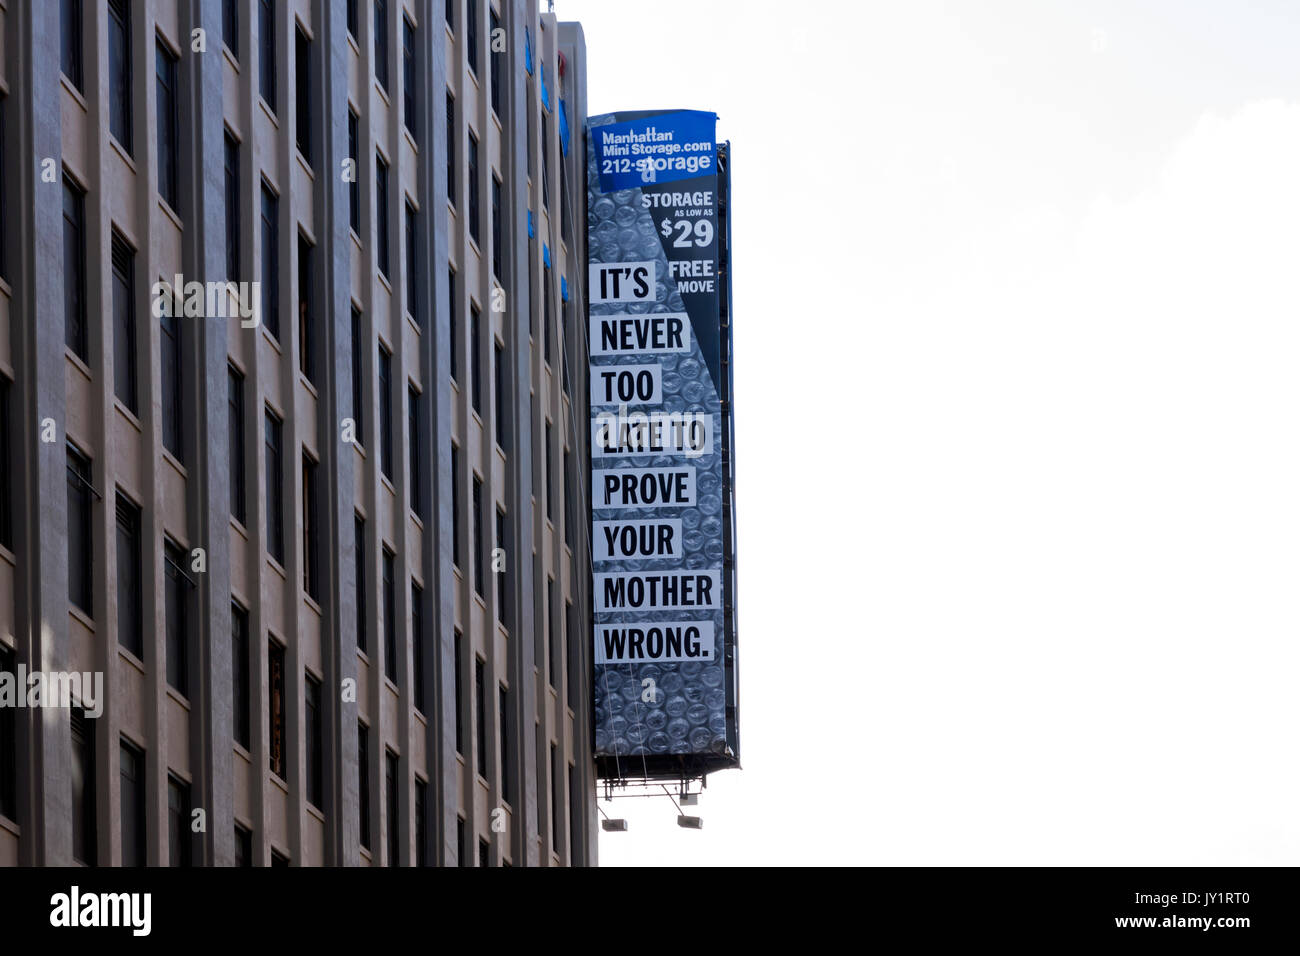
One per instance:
(311, 532)
(168, 140)
(80, 533)
(266, 53)
(385, 412)
(571, 633)
(550, 629)
(390, 790)
(230, 26)
(85, 836)
(503, 579)
(124, 340)
(359, 557)
(7, 453)
(484, 852)
(274, 488)
(408, 74)
(270, 257)
(475, 376)
(472, 174)
(70, 21)
(130, 580)
(546, 315)
(568, 497)
(494, 60)
(557, 797)
(276, 707)
(241, 676)
(417, 644)
(353, 29)
(170, 356)
(315, 741)
(243, 846)
(503, 701)
(480, 552)
(354, 186)
(119, 72)
(453, 325)
(390, 616)
(306, 314)
(74, 268)
(557, 649)
(363, 781)
(232, 208)
(235, 402)
(549, 480)
(451, 9)
(496, 226)
(455, 506)
(358, 402)
(421, 839)
(302, 92)
(412, 270)
(546, 160)
(177, 598)
(458, 663)
(462, 851)
(451, 149)
(471, 34)
(381, 213)
(480, 717)
(575, 818)
(131, 762)
(413, 449)
(179, 835)
(381, 43)
(502, 409)
(278, 858)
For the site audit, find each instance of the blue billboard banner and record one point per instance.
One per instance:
(660, 148)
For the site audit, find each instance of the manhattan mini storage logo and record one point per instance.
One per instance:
(75, 909)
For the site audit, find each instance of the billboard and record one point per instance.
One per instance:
(662, 465)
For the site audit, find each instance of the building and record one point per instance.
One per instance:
(275, 541)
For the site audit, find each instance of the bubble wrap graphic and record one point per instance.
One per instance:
(688, 714)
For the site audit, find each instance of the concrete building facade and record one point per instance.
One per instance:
(322, 530)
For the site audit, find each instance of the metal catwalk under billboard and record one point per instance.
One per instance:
(662, 521)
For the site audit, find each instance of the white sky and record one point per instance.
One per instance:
(1017, 329)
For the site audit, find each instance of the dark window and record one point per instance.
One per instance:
(547, 314)
(408, 74)
(130, 582)
(358, 402)
(230, 29)
(354, 186)
(458, 664)
(557, 799)
(496, 226)
(502, 409)
(453, 323)
(124, 340)
(550, 629)
(484, 853)
(235, 401)
(381, 213)
(306, 314)
(413, 447)
(480, 717)
(475, 376)
(417, 644)
(421, 811)
(549, 477)
(412, 272)
(274, 488)
(232, 209)
(315, 742)
(131, 762)
(462, 850)
(385, 412)
(455, 506)
(546, 159)
(278, 859)
(541, 780)
(494, 61)
(243, 846)
(7, 453)
(390, 792)
(74, 268)
(381, 43)
(85, 838)
(480, 552)
(359, 556)
(80, 533)
(571, 635)
(390, 616)
(363, 781)
(451, 9)
(311, 532)
(266, 52)
(471, 33)
(166, 119)
(170, 357)
(503, 576)
(564, 344)
(179, 834)
(451, 148)
(503, 700)
(472, 174)
(119, 72)
(70, 42)
(177, 587)
(353, 27)
(241, 676)
(569, 517)
(276, 707)
(270, 261)
(302, 92)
